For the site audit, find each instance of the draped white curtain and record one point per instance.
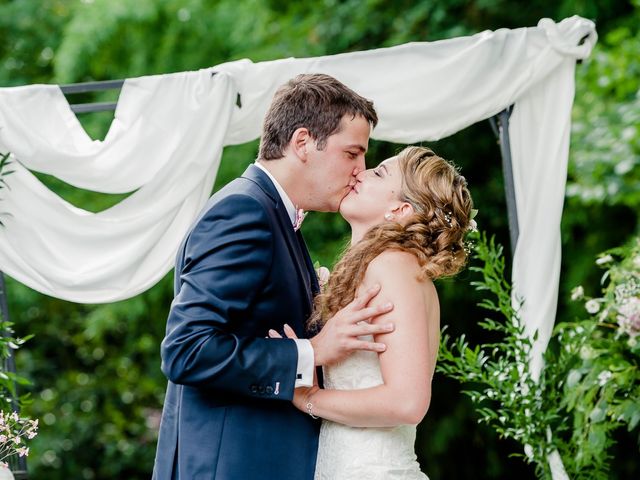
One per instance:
(165, 143)
(169, 130)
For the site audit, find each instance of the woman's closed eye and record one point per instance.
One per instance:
(381, 170)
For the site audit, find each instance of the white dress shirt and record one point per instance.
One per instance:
(306, 362)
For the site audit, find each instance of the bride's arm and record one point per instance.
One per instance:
(408, 363)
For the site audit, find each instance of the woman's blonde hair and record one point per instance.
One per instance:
(434, 233)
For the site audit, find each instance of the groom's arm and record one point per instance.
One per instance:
(227, 260)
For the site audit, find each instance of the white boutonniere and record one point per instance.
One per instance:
(473, 226)
(322, 273)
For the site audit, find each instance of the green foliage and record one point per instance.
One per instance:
(602, 389)
(590, 386)
(506, 395)
(605, 145)
(30, 37)
(603, 186)
(99, 384)
(12, 427)
(9, 398)
(90, 429)
(8, 344)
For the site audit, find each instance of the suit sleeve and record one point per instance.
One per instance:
(227, 259)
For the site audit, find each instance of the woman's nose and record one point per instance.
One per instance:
(361, 175)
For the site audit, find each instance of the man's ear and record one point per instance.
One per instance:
(300, 141)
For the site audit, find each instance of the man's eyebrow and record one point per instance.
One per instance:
(358, 146)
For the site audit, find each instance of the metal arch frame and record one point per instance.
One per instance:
(92, 87)
(499, 124)
(10, 365)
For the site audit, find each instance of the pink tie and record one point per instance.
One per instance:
(300, 214)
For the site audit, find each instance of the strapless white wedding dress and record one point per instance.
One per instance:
(351, 453)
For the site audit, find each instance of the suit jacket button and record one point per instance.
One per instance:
(253, 388)
(261, 389)
(269, 389)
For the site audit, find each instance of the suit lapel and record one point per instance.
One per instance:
(296, 252)
(296, 246)
(315, 286)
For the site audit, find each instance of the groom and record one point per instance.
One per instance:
(244, 269)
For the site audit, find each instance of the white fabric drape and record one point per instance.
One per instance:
(169, 130)
(540, 171)
(70, 253)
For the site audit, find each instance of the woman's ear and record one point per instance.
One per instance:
(299, 143)
(403, 211)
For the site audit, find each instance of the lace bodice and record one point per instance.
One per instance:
(351, 453)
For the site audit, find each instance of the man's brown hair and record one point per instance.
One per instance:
(316, 102)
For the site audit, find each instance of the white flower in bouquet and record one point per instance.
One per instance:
(604, 260)
(577, 293)
(473, 225)
(592, 306)
(604, 377)
(12, 431)
(629, 316)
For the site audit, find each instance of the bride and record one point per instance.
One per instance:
(408, 220)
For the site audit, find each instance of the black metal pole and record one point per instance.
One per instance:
(500, 126)
(10, 366)
(91, 86)
(87, 87)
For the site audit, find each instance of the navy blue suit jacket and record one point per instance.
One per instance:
(240, 271)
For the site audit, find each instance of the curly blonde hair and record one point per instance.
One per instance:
(434, 234)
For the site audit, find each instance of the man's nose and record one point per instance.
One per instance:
(358, 178)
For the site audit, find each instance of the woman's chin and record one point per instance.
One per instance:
(344, 209)
(344, 213)
(348, 216)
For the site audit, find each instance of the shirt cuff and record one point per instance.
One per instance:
(306, 363)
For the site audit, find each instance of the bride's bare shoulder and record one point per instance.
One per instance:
(395, 264)
(403, 283)
(394, 260)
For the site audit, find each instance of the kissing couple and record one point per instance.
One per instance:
(271, 377)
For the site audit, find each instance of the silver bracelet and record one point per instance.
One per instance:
(310, 410)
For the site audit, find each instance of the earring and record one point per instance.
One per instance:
(388, 216)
